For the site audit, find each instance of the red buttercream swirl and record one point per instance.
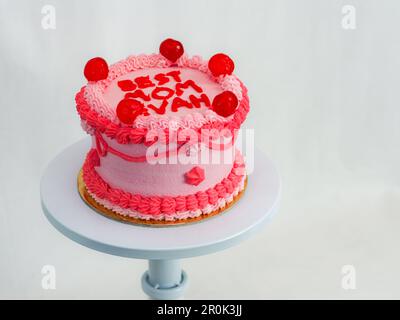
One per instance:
(134, 202)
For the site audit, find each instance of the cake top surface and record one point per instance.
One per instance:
(169, 90)
(171, 96)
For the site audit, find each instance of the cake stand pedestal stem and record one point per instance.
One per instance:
(164, 279)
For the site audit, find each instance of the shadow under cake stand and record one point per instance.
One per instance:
(162, 246)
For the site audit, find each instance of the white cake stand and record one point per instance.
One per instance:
(163, 247)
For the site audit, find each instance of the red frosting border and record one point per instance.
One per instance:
(126, 135)
(156, 205)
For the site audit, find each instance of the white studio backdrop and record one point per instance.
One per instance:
(323, 80)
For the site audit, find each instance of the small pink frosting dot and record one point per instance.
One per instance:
(195, 176)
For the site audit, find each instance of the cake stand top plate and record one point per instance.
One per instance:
(67, 212)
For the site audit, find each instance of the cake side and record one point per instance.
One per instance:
(137, 205)
(166, 176)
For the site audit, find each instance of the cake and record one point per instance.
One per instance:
(163, 129)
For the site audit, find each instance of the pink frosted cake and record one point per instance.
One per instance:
(163, 130)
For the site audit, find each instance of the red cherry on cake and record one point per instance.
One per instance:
(171, 49)
(128, 110)
(225, 103)
(96, 69)
(221, 64)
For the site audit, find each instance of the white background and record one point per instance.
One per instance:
(324, 106)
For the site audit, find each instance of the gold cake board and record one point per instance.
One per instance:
(91, 202)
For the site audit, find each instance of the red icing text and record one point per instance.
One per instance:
(146, 88)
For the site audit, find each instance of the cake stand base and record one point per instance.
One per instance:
(163, 247)
(164, 280)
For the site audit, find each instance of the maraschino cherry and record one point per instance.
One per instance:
(171, 49)
(128, 110)
(225, 103)
(96, 69)
(221, 64)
